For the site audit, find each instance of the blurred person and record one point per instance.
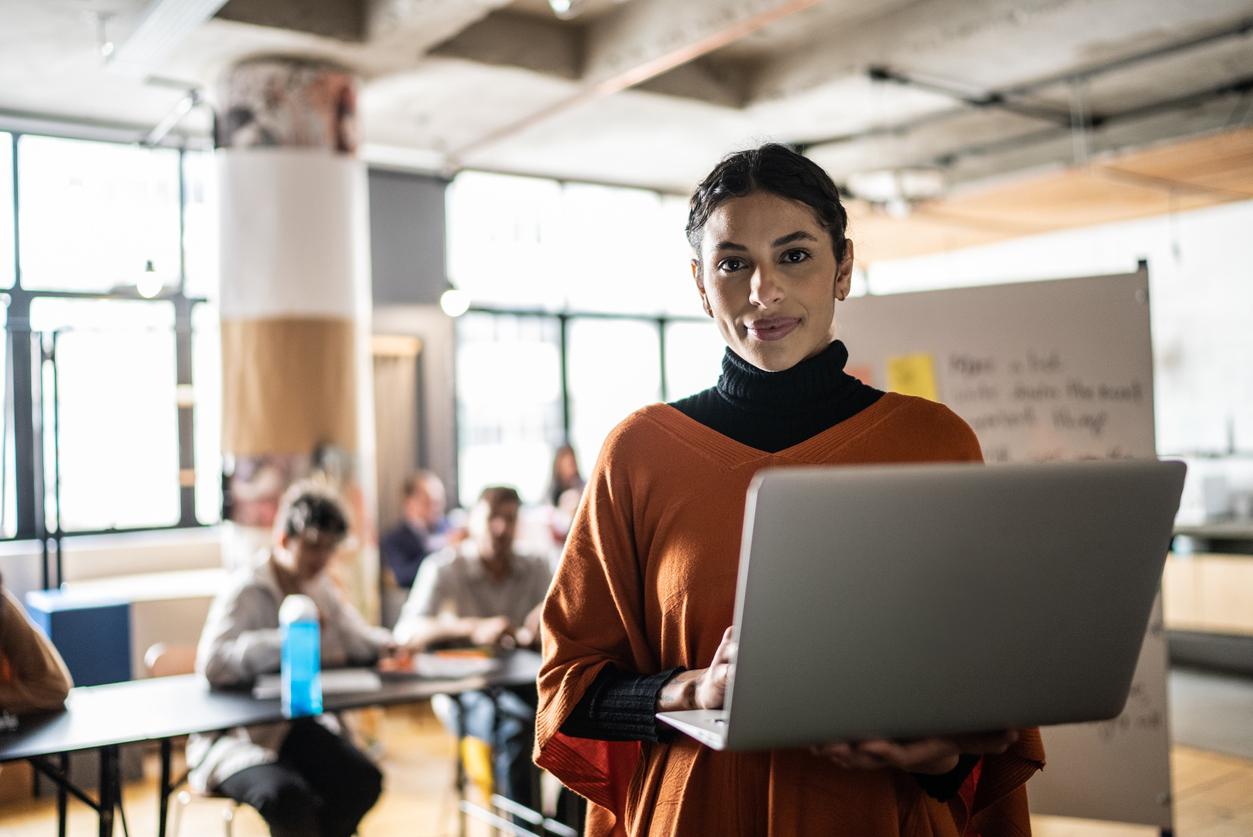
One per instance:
(565, 476)
(483, 592)
(304, 777)
(424, 529)
(565, 490)
(33, 677)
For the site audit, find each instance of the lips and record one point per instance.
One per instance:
(775, 328)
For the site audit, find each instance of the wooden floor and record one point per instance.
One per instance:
(1213, 793)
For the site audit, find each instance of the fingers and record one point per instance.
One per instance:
(986, 743)
(928, 755)
(727, 648)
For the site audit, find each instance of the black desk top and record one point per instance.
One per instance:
(165, 707)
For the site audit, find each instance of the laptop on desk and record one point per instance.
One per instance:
(919, 600)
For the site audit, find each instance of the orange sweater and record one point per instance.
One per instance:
(647, 582)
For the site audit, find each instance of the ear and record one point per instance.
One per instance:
(700, 287)
(844, 272)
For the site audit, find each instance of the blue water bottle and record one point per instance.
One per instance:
(302, 657)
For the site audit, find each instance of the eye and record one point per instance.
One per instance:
(732, 264)
(795, 256)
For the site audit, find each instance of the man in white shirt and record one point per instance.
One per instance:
(482, 592)
(305, 778)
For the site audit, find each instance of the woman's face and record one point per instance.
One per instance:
(768, 276)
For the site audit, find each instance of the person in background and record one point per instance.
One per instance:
(304, 777)
(565, 490)
(482, 592)
(565, 476)
(33, 677)
(423, 530)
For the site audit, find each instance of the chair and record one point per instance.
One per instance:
(167, 660)
(473, 765)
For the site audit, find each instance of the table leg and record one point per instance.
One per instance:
(108, 780)
(63, 796)
(163, 803)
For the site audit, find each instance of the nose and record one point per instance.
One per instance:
(765, 289)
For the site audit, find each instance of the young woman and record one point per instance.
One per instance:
(637, 618)
(305, 778)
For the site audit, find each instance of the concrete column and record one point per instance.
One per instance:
(295, 300)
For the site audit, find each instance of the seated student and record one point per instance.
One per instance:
(304, 777)
(424, 529)
(482, 592)
(33, 677)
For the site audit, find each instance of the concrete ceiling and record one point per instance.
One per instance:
(652, 92)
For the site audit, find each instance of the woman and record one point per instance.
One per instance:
(305, 778)
(33, 677)
(637, 618)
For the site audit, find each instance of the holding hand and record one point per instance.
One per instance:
(702, 688)
(933, 756)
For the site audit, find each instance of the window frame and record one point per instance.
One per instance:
(31, 351)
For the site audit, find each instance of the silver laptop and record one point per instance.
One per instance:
(908, 601)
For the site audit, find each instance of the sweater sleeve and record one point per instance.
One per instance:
(33, 677)
(619, 706)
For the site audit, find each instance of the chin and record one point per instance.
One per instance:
(772, 359)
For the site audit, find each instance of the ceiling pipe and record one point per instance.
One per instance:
(1000, 99)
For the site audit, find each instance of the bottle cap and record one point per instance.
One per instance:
(297, 608)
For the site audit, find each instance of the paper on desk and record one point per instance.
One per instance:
(453, 666)
(339, 681)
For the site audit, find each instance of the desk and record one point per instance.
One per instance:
(106, 717)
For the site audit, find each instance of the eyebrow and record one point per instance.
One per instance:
(799, 235)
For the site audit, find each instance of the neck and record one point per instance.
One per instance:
(814, 379)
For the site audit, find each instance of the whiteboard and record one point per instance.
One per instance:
(1045, 371)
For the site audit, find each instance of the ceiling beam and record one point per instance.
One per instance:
(641, 41)
(524, 41)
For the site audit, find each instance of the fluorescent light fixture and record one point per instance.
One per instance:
(163, 27)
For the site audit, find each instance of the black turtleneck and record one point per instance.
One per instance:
(769, 411)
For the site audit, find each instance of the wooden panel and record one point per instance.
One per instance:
(1209, 593)
(1188, 175)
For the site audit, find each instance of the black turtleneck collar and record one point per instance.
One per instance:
(771, 411)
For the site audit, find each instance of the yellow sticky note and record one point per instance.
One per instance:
(913, 375)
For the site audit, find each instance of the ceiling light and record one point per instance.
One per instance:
(164, 25)
(565, 9)
(891, 187)
(454, 302)
(149, 284)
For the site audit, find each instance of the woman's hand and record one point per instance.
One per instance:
(934, 756)
(702, 688)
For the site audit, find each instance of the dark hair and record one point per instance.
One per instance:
(415, 481)
(494, 495)
(309, 506)
(771, 168)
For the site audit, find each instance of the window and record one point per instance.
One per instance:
(93, 214)
(500, 240)
(206, 375)
(615, 368)
(693, 357)
(509, 409)
(610, 263)
(200, 232)
(109, 402)
(6, 210)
